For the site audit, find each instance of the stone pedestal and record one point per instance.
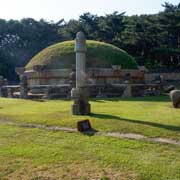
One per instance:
(81, 105)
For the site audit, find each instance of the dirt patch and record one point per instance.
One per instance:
(71, 171)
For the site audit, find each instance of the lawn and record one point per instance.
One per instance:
(36, 154)
(150, 116)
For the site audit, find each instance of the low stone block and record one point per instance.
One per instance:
(175, 98)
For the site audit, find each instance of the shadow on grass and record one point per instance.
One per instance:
(153, 124)
(38, 100)
(144, 99)
(90, 132)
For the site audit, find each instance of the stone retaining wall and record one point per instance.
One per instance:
(149, 77)
(94, 76)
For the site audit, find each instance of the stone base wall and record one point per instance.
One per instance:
(94, 76)
(149, 77)
(64, 91)
(108, 90)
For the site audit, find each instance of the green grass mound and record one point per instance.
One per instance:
(99, 54)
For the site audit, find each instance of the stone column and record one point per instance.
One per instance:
(128, 87)
(81, 105)
(23, 83)
(10, 92)
(23, 87)
(127, 91)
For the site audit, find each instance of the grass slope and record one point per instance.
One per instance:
(99, 54)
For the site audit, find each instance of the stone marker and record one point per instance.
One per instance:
(81, 105)
(175, 98)
(83, 126)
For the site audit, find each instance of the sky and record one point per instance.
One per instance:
(72, 9)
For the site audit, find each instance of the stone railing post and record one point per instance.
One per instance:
(23, 87)
(23, 82)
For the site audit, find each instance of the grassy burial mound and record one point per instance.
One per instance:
(99, 54)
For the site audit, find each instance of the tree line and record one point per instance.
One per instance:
(154, 40)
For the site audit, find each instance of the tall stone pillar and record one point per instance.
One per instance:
(81, 105)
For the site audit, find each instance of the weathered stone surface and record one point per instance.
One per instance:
(39, 68)
(175, 98)
(168, 89)
(23, 87)
(81, 105)
(20, 70)
(10, 92)
(57, 92)
(128, 91)
(167, 77)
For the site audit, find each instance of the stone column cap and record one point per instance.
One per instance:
(80, 42)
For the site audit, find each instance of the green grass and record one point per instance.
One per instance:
(99, 54)
(150, 116)
(37, 154)
(34, 154)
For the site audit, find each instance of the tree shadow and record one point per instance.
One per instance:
(144, 99)
(134, 121)
(38, 100)
(99, 100)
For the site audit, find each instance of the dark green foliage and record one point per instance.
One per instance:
(20, 40)
(153, 40)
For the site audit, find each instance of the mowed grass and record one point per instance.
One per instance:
(150, 116)
(35, 154)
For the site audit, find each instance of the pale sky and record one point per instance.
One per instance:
(71, 9)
